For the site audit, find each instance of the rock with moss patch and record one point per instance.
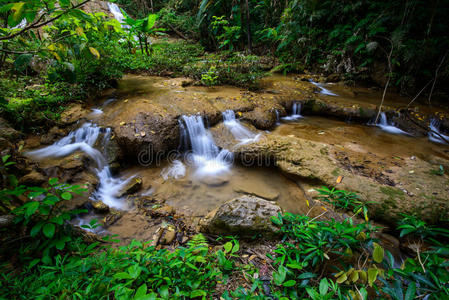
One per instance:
(245, 216)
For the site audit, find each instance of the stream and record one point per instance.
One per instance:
(200, 175)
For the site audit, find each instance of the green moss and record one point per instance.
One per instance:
(336, 172)
(392, 192)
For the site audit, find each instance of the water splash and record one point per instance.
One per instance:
(206, 156)
(296, 112)
(323, 90)
(240, 132)
(118, 15)
(83, 139)
(176, 170)
(388, 126)
(435, 128)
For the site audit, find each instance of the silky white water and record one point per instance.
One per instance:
(118, 15)
(323, 90)
(176, 170)
(434, 127)
(83, 139)
(296, 112)
(388, 126)
(208, 159)
(240, 132)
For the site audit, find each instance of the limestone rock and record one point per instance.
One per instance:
(100, 206)
(7, 132)
(246, 216)
(33, 178)
(133, 186)
(6, 220)
(260, 191)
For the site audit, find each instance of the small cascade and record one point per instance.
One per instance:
(388, 126)
(323, 90)
(240, 132)
(115, 10)
(433, 136)
(83, 139)
(296, 112)
(278, 119)
(205, 155)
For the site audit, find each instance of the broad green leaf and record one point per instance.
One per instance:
(49, 230)
(411, 291)
(141, 291)
(36, 228)
(122, 275)
(378, 253)
(289, 283)
(324, 286)
(150, 21)
(227, 247)
(31, 208)
(197, 293)
(18, 9)
(372, 276)
(66, 196)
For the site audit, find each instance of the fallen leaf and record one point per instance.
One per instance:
(122, 123)
(126, 100)
(339, 179)
(143, 133)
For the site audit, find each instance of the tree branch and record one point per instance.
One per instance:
(38, 23)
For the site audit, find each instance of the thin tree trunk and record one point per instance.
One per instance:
(248, 27)
(140, 42)
(146, 46)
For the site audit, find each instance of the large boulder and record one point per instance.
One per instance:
(245, 216)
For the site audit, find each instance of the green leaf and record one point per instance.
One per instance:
(324, 286)
(49, 230)
(53, 181)
(18, 9)
(411, 291)
(150, 21)
(372, 276)
(31, 208)
(36, 228)
(197, 293)
(289, 283)
(64, 3)
(378, 253)
(66, 196)
(122, 275)
(60, 244)
(141, 291)
(227, 247)
(94, 52)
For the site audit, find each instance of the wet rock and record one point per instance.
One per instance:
(261, 117)
(168, 235)
(315, 163)
(73, 114)
(6, 220)
(165, 210)
(33, 178)
(257, 190)
(53, 134)
(215, 180)
(99, 206)
(246, 216)
(133, 186)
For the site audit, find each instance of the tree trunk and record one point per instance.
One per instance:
(248, 27)
(140, 42)
(146, 46)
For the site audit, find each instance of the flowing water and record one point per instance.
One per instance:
(240, 132)
(389, 126)
(435, 134)
(118, 15)
(296, 112)
(323, 90)
(207, 158)
(84, 139)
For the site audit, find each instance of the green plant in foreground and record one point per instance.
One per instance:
(344, 200)
(439, 171)
(43, 217)
(210, 77)
(413, 226)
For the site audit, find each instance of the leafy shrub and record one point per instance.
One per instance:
(413, 226)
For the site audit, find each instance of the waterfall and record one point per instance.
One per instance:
(388, 126)
(278, 119)
(205, 155)
(323, 90)
(240, 132)
(296, 112)
(115, 10)
(83, 139)
(435, 127)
